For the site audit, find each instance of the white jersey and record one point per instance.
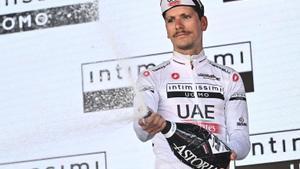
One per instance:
(192, 89)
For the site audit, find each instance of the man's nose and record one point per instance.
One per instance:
(178, 24)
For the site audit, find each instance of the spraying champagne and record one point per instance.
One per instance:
(196, 147)
(191, 144)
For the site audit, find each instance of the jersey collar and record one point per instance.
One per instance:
(187, 59)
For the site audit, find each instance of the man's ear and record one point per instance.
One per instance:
(204, 23)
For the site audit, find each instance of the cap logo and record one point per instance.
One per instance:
(173, 2)
(168, 4)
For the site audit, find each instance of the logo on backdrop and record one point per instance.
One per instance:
(17, 2)
(106, 87)
(278, 149)
(48, 18)
(95, 160)
(230, 0)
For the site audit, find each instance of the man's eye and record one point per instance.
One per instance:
(186, 16)
(170, 20)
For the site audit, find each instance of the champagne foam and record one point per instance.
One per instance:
(140, 109)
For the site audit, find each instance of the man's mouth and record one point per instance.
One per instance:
(179, 34)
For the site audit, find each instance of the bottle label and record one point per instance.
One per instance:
(196, 147)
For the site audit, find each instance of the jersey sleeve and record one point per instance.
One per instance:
(236, 116)
(148, 95)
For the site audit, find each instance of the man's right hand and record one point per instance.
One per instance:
(153, 123)
(233, 155)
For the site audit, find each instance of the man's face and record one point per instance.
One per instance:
(185, 29)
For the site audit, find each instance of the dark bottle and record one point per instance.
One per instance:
(196, 147)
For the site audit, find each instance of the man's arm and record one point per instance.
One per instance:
(236, 116)
(146, 128)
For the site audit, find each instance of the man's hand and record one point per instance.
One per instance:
(153, 123)
(233, 155)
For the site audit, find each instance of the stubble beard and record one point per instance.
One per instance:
(185, 46)
(188, 45)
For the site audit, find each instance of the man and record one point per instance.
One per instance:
(191, 89)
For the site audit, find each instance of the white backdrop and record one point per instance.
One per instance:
(45, 74)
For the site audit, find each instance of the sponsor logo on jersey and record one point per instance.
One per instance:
(241, 122)
(207, 76)
(238, 96)
(209, 126)
(175, 76)
(146, 88)
(146, 73)
(201, 115)
(235, 77)
(190, 90)
(193, 111)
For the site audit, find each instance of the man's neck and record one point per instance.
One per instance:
(189, 52)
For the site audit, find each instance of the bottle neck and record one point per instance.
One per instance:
(170, 129)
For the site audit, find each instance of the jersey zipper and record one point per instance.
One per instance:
(191, 63)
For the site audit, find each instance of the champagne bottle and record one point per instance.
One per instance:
(196, 147)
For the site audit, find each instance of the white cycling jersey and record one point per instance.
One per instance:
(192, 89)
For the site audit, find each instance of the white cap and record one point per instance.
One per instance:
(168, 4)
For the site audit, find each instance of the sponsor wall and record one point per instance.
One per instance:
(66, 100)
